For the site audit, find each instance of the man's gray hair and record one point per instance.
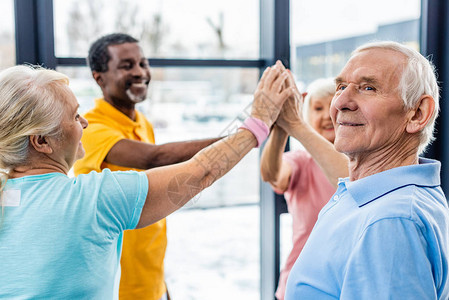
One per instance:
(418, 78)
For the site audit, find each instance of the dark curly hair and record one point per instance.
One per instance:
(99, 57)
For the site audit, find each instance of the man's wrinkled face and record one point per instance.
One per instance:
(367, 110)
(126, 81)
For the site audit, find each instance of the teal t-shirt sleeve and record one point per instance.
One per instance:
(389, 261)
(118, 198)
(135, 191)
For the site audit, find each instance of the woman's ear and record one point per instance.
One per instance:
(40, 144)
(421, 114)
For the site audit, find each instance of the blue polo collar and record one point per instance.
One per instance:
(365, 190)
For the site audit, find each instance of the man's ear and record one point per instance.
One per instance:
(98, 76)
(40, 144)
(421, 114)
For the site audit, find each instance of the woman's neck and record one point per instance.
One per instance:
(28, 171)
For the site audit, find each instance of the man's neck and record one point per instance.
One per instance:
(366, 164)
(128, 110)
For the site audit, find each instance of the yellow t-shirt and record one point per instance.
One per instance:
(143, 250)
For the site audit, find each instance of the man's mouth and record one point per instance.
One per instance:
(137, 84)
(349, 124)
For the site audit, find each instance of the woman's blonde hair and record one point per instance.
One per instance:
(29, 105)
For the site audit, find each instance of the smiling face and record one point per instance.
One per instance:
(125, 83)
(367, 110)
(319, 117)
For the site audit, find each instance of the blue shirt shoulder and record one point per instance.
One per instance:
(383, 236)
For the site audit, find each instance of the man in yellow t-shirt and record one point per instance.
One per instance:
(120, 138)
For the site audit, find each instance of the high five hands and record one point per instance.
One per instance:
(271, 93)
(277, 99)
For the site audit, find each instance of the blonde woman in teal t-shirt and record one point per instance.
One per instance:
(58, 235)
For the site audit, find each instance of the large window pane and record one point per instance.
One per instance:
(323, 39)
(166, 28)
(214, 253)
(324, 33)
(7, 41)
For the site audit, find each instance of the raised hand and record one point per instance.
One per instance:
(270, 95)
(291, 112)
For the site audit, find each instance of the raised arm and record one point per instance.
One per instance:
(273, 168)
(146, 156)
(172, 186)
(334, 164)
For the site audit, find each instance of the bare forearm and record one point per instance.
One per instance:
(171, 153)
(217, 159)
(334, 164)
(140, 155)
(173, 186)
(271, 160)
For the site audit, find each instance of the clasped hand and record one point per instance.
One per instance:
(277, 99)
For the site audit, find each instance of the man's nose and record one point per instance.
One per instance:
(139, 71)
(84, 122)
(346, 99)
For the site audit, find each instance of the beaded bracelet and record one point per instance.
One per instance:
(258, 128)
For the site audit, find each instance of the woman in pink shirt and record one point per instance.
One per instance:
(309, 177)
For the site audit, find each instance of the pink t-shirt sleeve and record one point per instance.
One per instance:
(298, 163)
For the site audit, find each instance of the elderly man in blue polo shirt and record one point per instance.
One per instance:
(384, 234)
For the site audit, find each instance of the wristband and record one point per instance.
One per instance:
(258, 128)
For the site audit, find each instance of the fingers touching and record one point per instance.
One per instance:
(276, 85)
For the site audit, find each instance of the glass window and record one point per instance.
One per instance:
(205, 239)
(214, 253)
(166, 28)
(285, 237)
(324, 33)
(83, 86)
(7, 35)
(323, 39)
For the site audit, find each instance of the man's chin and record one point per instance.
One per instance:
(139, 100)
(135, 98)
